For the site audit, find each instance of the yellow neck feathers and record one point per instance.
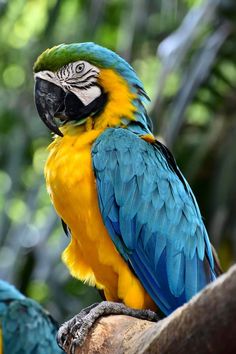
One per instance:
(120, 99)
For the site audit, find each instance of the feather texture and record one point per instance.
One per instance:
(140, 205)
(149, 207)
(25, 326)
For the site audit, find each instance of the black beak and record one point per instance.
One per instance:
(48, 99)
(51, 101)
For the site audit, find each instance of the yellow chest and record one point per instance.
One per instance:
(91, 255)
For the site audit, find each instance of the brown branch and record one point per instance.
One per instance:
(207, 324)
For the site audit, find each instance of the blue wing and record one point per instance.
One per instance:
(152, 217)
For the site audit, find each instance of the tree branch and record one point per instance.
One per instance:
(204, 325)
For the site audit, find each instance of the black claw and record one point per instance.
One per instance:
(73, 347)
(62, 336)
(79, 326)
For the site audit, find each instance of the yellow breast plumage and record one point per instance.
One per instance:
(91, 255)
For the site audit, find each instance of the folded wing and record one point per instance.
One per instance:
(152, 217)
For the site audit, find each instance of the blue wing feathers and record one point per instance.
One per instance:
(159, 247)
(200, 243)
(114, 212)
(26, 326)
(9, 292)
(127, 229)
(152, 217)
(175, 269)
(140, 263)
(157, 202)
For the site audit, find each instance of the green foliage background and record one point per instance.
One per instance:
(203, 142)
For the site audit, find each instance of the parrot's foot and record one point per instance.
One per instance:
(76, 329)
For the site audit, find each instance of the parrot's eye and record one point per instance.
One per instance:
(80, 68)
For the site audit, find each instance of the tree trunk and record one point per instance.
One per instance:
(207, 324)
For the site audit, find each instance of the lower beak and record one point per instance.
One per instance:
(48, 99)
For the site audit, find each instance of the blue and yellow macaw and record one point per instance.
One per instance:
(25, 327)
(136, 229)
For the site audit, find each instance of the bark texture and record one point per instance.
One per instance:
(207, 324)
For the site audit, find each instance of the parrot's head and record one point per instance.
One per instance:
(78, 82)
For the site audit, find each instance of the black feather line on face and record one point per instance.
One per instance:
(81, 82)
(85, 87)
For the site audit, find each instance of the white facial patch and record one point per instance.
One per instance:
(88, 95)
(79, 78)
(48, 76)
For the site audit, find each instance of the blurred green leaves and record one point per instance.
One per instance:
(23, 20)
(16, 209)
(38, 291)
(13, 76)
(5, 182)
(39, 159)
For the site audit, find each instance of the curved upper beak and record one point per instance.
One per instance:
(48, 99)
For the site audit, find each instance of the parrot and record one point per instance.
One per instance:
(136, 231)
(25, 327)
